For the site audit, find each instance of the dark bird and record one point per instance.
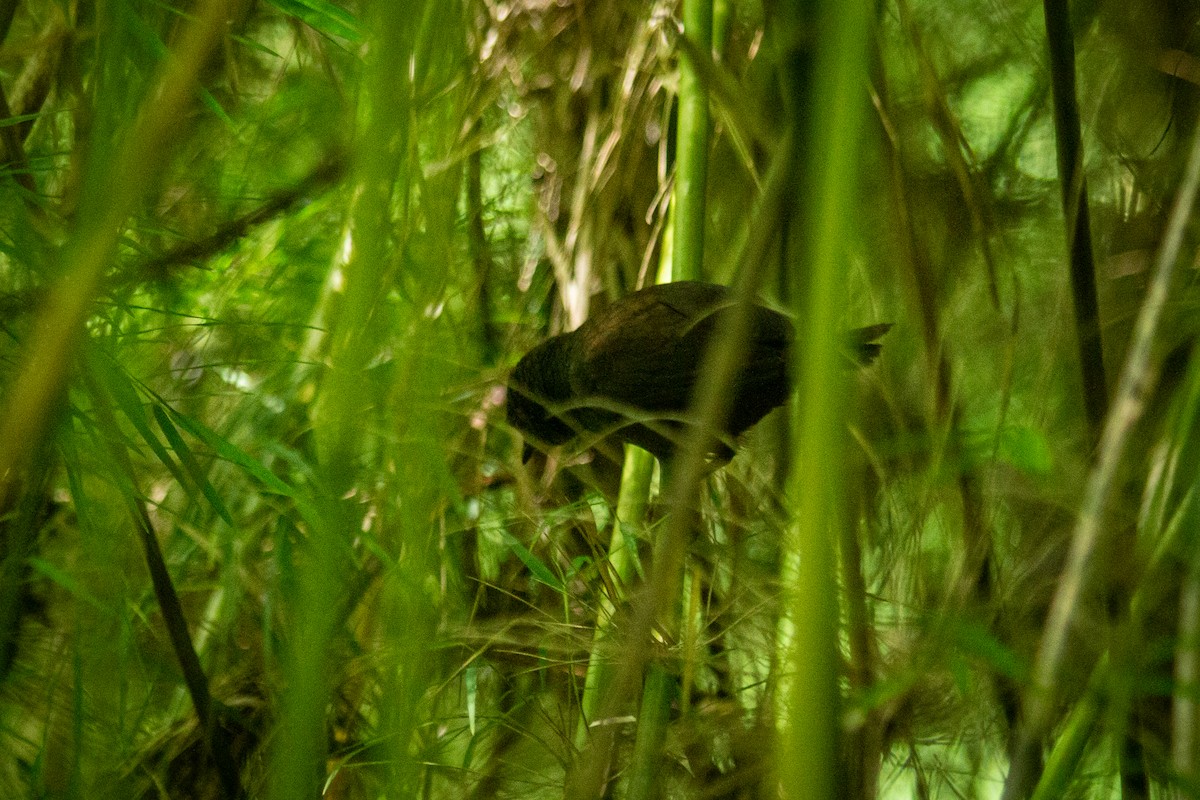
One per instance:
(629, 371)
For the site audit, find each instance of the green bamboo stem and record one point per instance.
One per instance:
(686, 260)
(632, 502)
(384, 174)
(646, 768)
(691, 169)
(809, 655)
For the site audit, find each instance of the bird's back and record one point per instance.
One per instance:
(643, 355)
(646, 349)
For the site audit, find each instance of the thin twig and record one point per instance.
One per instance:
(328, 172)
(1068, 143)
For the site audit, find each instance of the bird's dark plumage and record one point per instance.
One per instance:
(629, 371)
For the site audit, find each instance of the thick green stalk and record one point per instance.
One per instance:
(691, 178)
(687, 255)
(710, 403)
(655, 713)
(661, 684)
(809, 655)
(622, 563)
(691, 169)
(350, 431)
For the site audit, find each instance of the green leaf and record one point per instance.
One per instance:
(977, 641)
(537, 568)
(1020, 446)
(188, 459)
(69, 583)
(231, 452)
(327, 18)
(471, 678)
(1026, 449)
(123, 393)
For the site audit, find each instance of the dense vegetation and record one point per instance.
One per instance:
(264, 530)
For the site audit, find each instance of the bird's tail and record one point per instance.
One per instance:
(862, 344)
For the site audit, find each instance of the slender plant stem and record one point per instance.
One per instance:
(1068, 142)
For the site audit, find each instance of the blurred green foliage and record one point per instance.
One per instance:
(301, 257)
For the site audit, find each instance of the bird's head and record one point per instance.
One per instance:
(538, 383)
